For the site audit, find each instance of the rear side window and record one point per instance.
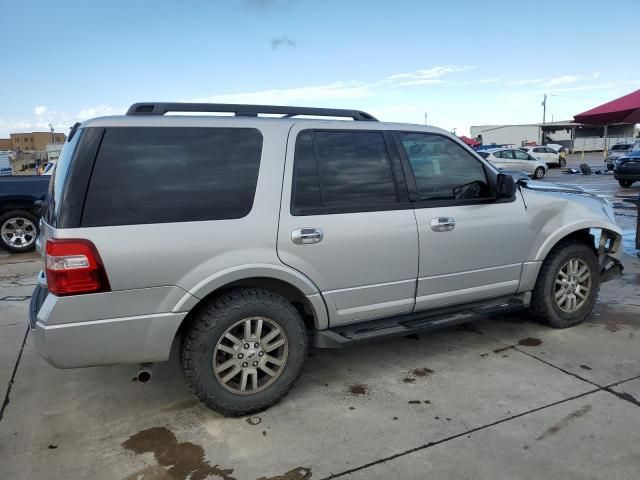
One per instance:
(161, 175)
(336, 170)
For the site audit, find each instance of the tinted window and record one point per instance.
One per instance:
(508, 154)
(443, 169)
(538, 150)
(484, 154)
(59, 177)
(350, 170)
(158, 175)
(520, 155)
(306, 186)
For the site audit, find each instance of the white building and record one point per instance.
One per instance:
(53, 151)
(574, 136)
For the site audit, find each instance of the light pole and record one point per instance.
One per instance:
(544, 116)
(52, 136)
(425, 118)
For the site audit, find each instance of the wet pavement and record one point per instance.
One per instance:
(501, 398)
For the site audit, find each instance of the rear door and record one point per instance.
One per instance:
(471, 246)
(524, 161)
(346, 222)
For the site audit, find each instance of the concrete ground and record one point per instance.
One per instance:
(502, 398)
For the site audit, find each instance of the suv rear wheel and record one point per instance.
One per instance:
(539, 173)
(567, 286)
(18, 231)
(562, 162)
(625, 183)
(244, 351)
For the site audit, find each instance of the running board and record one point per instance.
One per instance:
(417, 322)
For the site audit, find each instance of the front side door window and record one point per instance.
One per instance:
(444, 170)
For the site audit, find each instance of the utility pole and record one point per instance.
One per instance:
(544, 117)
(425, 118)
(52, 137)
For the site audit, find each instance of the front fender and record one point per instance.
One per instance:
(564, 231)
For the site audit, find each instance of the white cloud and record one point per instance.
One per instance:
(40, 110)
(98, 111)
(427, 76)
(563, 79)
(530, 81)
(333, 91)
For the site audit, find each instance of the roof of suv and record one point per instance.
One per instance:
(154, 115)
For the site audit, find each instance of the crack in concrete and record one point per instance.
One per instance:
(13, 376)
(458, 435)
(599, 388)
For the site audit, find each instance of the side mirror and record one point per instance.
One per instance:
(506, 186)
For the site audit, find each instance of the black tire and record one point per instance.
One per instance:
(539, 173)
(208, 326)
(625, 183)
(543, 305)
(18, 214)
(562, 162)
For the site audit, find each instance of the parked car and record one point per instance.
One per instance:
(615, 152)
(252, 238)
(18, 211)
(516, 160)
(547, 155)
(627, 169)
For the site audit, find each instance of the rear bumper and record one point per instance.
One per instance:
(101, 329)
(102, 342)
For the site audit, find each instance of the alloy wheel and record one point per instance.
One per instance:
(573, 285)
(18, 232)
(250, 355)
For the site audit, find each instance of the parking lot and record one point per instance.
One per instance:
(499, 398)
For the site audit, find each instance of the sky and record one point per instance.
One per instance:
(461, 63)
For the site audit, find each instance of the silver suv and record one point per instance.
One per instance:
(249, 239)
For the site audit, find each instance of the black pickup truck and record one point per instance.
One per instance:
(18, 212)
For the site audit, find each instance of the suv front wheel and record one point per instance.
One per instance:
(567, 286)
(244, 351)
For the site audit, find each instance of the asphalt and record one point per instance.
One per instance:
(502, 398)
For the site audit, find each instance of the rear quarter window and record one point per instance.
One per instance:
(148, 175)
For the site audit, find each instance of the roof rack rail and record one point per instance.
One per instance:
(158, 108)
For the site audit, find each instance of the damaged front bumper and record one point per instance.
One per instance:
(609, 269)
(608, 247)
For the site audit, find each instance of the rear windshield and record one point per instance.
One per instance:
(159, 175)
(623, 146)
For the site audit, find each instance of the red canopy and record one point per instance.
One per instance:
(469, 141)
(621, 110)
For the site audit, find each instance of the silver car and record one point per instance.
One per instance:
(249, 239)
(514, 159)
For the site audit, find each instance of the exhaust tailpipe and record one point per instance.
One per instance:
(145, 372)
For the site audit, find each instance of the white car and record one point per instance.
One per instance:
(547, 154)
(515, 159)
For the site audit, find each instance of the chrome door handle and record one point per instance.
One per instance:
(304, 236)
(442, 224)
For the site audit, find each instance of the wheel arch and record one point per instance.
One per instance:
(292, 285)
(588, 232)
(604, 240)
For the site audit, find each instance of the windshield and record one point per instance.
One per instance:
(621, 146)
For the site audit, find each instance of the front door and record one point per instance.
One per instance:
(346, 222)
(471, 247)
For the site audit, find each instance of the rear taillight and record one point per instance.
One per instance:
(74, 266)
